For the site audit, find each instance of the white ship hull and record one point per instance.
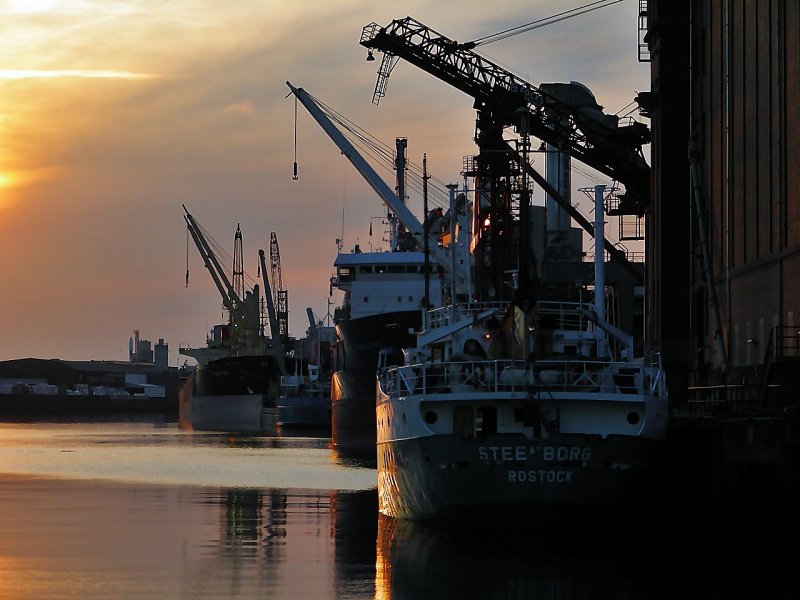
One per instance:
(483, 435)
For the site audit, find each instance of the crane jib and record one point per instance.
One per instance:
(563, 117)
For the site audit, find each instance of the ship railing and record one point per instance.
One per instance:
(566, 315)
(563, 315)
(728, 399)
(463, 376)
(447, 315)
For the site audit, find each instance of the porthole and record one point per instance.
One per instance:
(431, 417)
(633, 418)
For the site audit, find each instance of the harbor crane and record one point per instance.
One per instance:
(277, 341)
(565, 116)
(281, 295)
(238, 263)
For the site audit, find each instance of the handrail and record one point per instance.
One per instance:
(784, 340)
(462, 376)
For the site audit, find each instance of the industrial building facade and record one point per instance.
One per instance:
(724, 229)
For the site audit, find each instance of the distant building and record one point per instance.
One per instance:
(142, 351)
(46, 387)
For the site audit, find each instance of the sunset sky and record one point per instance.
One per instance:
(115, 113)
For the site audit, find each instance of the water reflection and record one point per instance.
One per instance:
(67, 539)
(417, 560)
(355, 528)
(293, 543)
(724, 551)
(72, 537)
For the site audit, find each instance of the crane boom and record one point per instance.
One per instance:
(406, 217)
(230, 299)
(277, 342)
(563, 115)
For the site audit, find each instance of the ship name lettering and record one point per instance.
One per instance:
(550, 453)
(521, 453)
(540, 476)
(499, 453)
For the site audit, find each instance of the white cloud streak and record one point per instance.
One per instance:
(93, 73)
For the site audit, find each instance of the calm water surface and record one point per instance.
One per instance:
(143, 510)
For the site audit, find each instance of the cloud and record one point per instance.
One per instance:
(45, 74)
(243, 108)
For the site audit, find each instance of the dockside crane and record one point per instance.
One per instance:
(277, 343)
(565, 116)
(281, 295)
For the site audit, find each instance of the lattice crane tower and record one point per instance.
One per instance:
(280, 295)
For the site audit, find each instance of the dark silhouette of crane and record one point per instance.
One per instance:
(238, 263)
(280, 294)
(565, 116)
(246, 333)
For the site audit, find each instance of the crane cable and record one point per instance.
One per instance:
(574, 12)
(187, 257)
(294, 174)
(382, 153)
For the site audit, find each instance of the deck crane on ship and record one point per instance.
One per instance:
(237, 380)
(454, 260)
(385, 293)
(245, 331)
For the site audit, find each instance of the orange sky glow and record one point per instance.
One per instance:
(115, 113)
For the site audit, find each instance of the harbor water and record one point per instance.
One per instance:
(143, 510)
